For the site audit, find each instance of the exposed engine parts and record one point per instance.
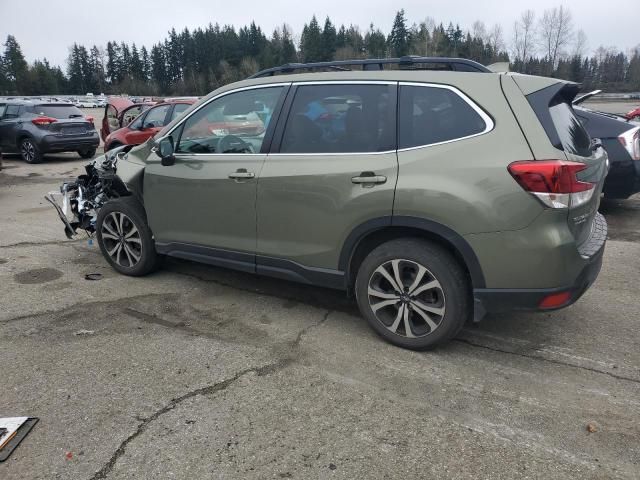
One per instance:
(78, 202)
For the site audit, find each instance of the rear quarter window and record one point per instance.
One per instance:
(571, 133)
(430, 115)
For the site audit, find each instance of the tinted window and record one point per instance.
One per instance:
(572, 135)
(431, 115)
(156, 116)
(58, 111)
(179, 109)
(234, 123)
(340, 118)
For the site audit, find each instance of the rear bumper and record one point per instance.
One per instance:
(488, 300)
(51, 143)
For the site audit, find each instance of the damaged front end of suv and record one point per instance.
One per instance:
(79, 201)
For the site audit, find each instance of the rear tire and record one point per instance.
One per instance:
(29, 151)
(87, 153)
(413, 293)
(124, 237)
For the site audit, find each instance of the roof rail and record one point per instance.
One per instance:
(456, 64)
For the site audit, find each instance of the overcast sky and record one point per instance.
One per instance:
(46, 28)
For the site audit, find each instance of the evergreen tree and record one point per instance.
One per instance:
(398, 40)
(328, 40)
(375, 43)
(15, 66)
(311, 42)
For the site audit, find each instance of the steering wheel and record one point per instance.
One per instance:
(234, 144)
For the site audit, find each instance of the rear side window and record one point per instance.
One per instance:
(12, 111)
(571, 133)
(58, 111)
(341, 118)
(430, 115)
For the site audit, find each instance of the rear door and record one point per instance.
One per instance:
(333, 166)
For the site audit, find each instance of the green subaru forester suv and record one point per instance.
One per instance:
(433, 196)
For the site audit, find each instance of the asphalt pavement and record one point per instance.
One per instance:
(199, 372)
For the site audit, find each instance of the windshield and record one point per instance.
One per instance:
(58, 111)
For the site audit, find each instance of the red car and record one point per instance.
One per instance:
(120, 112)
(146, 124)
(633, 115)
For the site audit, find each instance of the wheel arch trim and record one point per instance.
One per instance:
(364, 230)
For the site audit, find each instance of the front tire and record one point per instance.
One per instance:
(413, 293)
(125, 238)
(29, 151)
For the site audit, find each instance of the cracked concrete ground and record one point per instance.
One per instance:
(198, 372)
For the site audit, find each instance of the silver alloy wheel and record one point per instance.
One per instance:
(28, 150)
(406, 298)
(121, 239)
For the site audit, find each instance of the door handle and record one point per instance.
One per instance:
(368, 179)
(241, 174)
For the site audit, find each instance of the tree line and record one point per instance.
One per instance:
(198, 61)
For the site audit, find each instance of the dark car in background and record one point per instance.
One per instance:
(147, 124)
(34, 128)
(621, 140)
(120, 112)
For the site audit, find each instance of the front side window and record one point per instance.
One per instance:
(131, 113)
(234, 123)
(340, 119)
(155, 118)
(431, 115)
(2, 109)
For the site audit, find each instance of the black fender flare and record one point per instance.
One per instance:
(428, 226)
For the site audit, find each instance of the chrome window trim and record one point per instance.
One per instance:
(489, 123)
(327, 154)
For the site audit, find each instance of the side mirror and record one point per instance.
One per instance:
(165, 150)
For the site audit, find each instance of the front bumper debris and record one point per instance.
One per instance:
(77, 203)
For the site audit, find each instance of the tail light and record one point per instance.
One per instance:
(41, 121)
(89, 118)
(630, 140)
(553, 182)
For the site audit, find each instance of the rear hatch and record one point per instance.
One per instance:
(553, 107)
(63, 119)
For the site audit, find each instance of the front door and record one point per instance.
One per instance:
(206, 202)
(334, 167)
